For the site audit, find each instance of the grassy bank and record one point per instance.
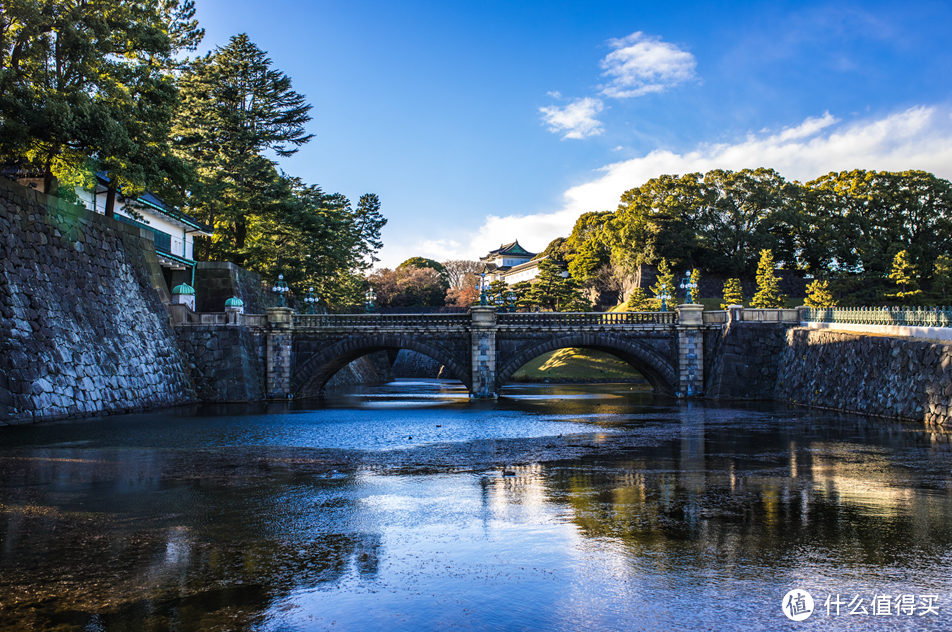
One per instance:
(581, 365)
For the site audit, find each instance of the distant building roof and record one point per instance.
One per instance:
(512, 249)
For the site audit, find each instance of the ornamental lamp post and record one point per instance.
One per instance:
(311, 300)
(281, 288)
(512, 301)
(370, 297)
(688, 286)
(665, 297)
(483, 299)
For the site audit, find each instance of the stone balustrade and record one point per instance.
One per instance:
(586, 319)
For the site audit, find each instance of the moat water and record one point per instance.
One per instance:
(410, 507)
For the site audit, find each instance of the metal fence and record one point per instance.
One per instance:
(906, 316)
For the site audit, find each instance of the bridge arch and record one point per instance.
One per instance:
(659, 372)
(314, 373)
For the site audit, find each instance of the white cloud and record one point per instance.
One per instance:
(918, 138)
(641, 64)
(576, 120)
(806, 129)
(555, 94)
(395, 252)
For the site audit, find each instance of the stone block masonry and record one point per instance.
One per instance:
(899, 378)
(224, 363)
(216, 282)
(745, 360)
(82, 327)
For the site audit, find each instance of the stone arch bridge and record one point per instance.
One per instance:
(483, 348)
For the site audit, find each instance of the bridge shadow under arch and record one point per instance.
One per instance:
(314, 373)
(660, 374)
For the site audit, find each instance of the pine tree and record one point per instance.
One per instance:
(554, 291)
(91, 81)
(904, 275)
(819, 294)
(942, 278)
(733, 293)
(235, 107)
(639, 301)
(768, 283)
(665, 281)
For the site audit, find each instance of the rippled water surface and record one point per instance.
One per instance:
(410, 507)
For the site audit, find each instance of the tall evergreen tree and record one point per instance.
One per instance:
(942, 279)
(664, 283)
(733, 293)
(235, 109)
(768, 283)
(819, 294)
(903, 273)
(696, 290)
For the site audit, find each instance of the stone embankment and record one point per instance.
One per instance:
(224, 363)
(745, 360)
(413, 364)
(886, 377)
(82, 325)
(370, 370)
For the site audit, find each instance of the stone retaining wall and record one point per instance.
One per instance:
(82, 327)
(881, 376)
(744, 361)
(413, 364)
(218, 281)
(372, 369)
(224, 363)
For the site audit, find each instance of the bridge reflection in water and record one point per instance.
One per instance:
(640, 516)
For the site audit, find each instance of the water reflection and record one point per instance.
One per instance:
(544, 510)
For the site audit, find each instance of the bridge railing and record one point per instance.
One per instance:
(590, 319)
(346, 321)
(903, 316)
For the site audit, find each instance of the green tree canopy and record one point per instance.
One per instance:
(91, 81)
(421, 262)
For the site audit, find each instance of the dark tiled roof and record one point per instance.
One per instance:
(512, 249)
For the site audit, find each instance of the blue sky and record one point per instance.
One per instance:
(478, 123)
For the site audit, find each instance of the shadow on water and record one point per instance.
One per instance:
(411, 507)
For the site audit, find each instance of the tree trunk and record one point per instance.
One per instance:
(111, 200)
(241, 235)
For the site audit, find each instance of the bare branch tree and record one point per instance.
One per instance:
(457, 269)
